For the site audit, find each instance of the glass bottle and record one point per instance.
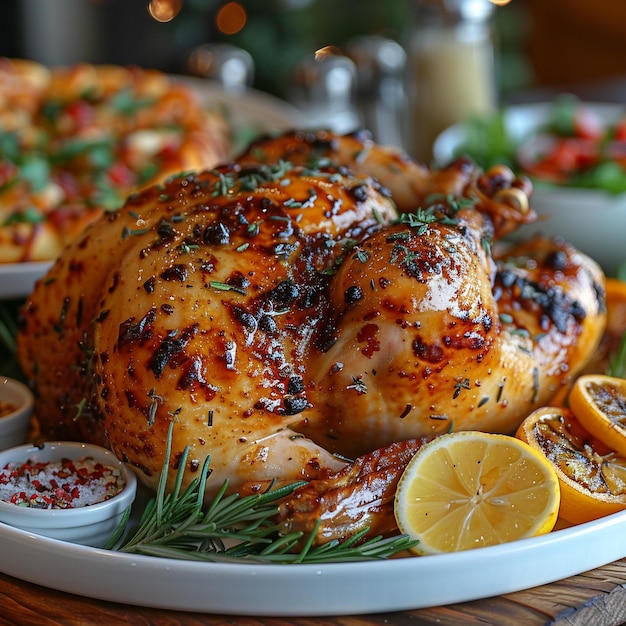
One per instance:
(381, 92)
(451, 67)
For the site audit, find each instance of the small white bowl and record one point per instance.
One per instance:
(14, 425)
(90, 525)
(591, 219)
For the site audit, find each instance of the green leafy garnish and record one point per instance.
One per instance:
(608, 175)
(487, 141)
(563, 115)
(127, 103)
(28, 215)
(490, 141)
(35, 169)
(617, 360)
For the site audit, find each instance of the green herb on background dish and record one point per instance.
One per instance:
(617, 360)
(609, 176)
(487, 142)
(562, 117)
(181, 525)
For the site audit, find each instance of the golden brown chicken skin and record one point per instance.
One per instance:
(420, 341)
(197, 302)
(499, 192)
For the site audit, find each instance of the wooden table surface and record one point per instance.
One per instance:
(596, 598)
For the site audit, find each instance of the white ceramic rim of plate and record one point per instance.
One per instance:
(312, 590)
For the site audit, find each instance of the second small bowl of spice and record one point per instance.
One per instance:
(16, 408)
(65, 490)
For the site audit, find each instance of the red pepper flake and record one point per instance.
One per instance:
(6, 408)
(63, 484)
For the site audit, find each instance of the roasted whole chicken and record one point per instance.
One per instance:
(320, 298)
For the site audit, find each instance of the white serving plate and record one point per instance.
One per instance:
(311, 590)
(298, 590)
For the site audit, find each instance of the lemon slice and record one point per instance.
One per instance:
(592, 476)
(599, 403)
(472, 489)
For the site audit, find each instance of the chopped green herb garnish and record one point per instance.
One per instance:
(226, 287)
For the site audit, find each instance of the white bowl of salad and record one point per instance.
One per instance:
(575, 154)
(65, 490)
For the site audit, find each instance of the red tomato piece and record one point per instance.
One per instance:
(120, 175)
(81, 113)
(620, 130)
(588, 125)
(564, 158)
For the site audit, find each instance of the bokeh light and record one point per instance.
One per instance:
(326, 51)
(164, 10)
(231, 18)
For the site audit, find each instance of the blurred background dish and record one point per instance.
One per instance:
(574, 160)
(18, 279)
(249, 112)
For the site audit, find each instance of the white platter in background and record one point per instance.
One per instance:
(311, 590)
(249, 112)
(18, 279)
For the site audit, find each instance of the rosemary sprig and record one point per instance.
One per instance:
(180, 525)
(8, 328)
(617, 360)
(9, 365)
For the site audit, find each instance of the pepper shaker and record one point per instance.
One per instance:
(324, 89)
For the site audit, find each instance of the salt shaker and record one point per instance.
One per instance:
(451, 73)
(324, 89)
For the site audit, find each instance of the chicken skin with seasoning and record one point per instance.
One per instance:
(302, 306)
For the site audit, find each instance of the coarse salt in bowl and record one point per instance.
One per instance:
(87, 521)
(16, 408)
